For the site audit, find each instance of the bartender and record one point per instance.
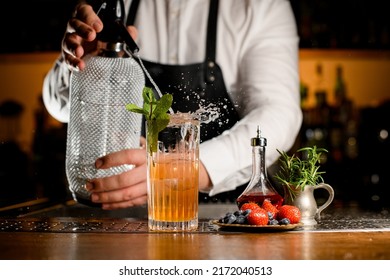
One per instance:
(240, 55)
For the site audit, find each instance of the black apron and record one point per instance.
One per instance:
(194, 82)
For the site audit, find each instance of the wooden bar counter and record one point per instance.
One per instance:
(270, 246)
(59, 234)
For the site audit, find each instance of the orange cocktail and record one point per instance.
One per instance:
(174, 185)
(173, 177)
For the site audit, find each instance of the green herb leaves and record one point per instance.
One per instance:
(155, 112)
(296, 173)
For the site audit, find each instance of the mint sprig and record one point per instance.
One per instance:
(155, 112)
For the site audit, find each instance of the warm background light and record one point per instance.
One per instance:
(366, 73)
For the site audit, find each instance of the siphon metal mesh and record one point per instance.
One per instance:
(99, 122)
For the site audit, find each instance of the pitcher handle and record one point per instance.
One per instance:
(330, 198)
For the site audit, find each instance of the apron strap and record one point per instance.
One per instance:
(211, 41)
(212, 31)
(211, 38)
(132, 12)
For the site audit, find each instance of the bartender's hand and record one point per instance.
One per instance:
(128, 188)
(123, 190)
(80, 36)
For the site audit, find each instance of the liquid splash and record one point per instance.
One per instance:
(205, 114)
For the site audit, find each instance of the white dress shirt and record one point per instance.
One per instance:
(257, 50)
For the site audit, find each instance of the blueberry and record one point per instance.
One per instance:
(270, 215)
(246, 212)
(284, 221)
(229, 218)
(238, 213)
(240, 220)
(273, 222)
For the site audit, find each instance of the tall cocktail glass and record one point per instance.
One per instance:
(173, 176)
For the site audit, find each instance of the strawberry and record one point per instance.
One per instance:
(290, 212)
(250, 205)
(269, 207)
(258, 217)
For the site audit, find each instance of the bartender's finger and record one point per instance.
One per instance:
(74, 61)
(133, 31)
(85, 18)
(72, 51)
(81, 29)
(128, 156)
(71, 44)
(77, 34)
(120, 195)
(85, 24)
(132, 177)
(85, 31)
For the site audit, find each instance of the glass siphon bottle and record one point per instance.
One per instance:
(259, 187)
(99, 122)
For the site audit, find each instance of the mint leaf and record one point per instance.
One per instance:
(153, 128)
(135, 109)
(164, 103)
(155, 112)
(148, 95)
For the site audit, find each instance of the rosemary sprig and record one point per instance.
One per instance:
(295, 173)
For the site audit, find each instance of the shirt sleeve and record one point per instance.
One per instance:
(55, 91)
(266, 93)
